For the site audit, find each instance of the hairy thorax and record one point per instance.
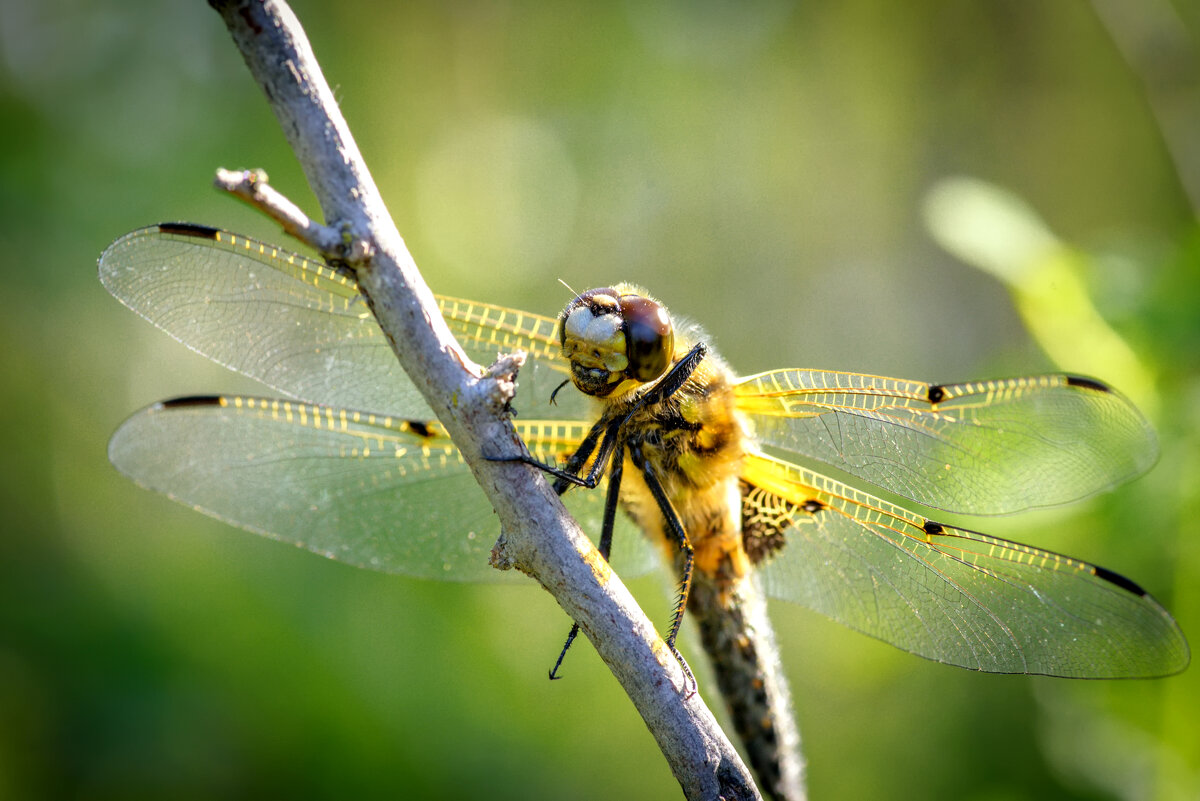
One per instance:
(694, 444)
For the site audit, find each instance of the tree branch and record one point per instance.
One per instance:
(539, 537)
(252, 187)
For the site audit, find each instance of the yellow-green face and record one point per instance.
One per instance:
(615, 339)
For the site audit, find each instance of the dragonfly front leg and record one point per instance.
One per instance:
(605, 431)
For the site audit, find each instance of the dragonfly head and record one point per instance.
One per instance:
(615, 338)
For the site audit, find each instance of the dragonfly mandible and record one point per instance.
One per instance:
(353, 466)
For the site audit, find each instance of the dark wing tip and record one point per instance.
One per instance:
(188, 229)
(1120, 581)
(191, 400)
(1087, 383)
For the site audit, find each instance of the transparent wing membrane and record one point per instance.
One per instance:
(303, 329)
(949, 594)
(378, 492)
(985, 447)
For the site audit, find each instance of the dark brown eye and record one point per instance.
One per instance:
(649, 337)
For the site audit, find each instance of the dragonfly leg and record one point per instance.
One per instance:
(564, 476)
(669, 384)
(674, 529)
(606, 535)
(605, 431)
(571, 635)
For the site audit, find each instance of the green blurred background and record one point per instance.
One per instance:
(763, 167)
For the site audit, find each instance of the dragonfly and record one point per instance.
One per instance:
(719, 471)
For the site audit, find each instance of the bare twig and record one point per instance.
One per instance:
(539, 537)
(252, 187)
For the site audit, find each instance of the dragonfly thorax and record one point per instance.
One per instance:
(615, 339)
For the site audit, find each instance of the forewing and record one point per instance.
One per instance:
(949, 594)
(377, 492)
(986, 447)
(304, 329)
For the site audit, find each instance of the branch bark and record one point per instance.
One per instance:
(539, 537)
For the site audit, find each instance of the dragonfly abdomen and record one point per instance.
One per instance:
(740, 642)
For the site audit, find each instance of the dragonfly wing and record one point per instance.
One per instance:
(986, 447)
(377, 492)
(949, 594)
(304, 329)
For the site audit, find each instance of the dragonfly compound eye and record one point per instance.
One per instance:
(649, 337)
